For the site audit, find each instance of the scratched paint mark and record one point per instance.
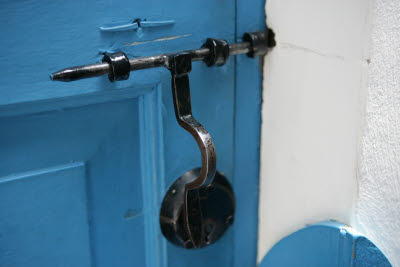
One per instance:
(130, 213)
(168, 38)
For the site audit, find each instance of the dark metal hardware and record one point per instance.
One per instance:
(212, 213)
(191, 212)
(259, 42)
(254, 44)
(119, 64)
(180, 65)
(219, 52)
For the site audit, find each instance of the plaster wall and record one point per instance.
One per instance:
(378, 206)
(314, 86)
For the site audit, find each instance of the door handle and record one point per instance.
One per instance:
(187, 218)
(180, 66)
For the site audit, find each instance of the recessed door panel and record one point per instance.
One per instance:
(45, 210)
(73, 184)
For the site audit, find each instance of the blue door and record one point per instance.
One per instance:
(84, 166)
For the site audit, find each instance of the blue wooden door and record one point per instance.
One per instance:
(84, 166)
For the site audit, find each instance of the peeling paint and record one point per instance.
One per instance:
(130, 213)
(168, 38)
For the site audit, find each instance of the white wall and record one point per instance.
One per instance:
(314, 87)
(378, 208)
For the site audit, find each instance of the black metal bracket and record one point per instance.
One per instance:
(120, 67)
(219, 52)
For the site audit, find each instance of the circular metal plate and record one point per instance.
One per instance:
(217, 203)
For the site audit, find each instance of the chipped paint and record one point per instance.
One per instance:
(131, 213)
(168, 38)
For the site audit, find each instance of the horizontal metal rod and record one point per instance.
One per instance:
(99, 69)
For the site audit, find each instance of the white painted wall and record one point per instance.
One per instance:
(314, 87)
(378, 207)
(331, 120)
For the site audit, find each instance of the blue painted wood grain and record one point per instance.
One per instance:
(103, 136)
(325, 244)
(153, 171)
(28, 220)
(121, 139)
(134, 25)
(248, 99)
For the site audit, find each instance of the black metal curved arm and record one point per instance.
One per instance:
(183, 112)
(180, 65)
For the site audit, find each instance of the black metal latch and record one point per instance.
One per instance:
(213, 52)
(197, 208)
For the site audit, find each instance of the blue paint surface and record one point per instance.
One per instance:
(325, 244)
(85, 165)
(120, 27)
(87, 205)
(133, 25)
(27, 220)
(247, 123)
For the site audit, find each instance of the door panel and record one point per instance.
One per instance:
(84, 166)
(99, 145)
(38, 209)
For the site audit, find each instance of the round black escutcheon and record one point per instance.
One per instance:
(216, 214)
